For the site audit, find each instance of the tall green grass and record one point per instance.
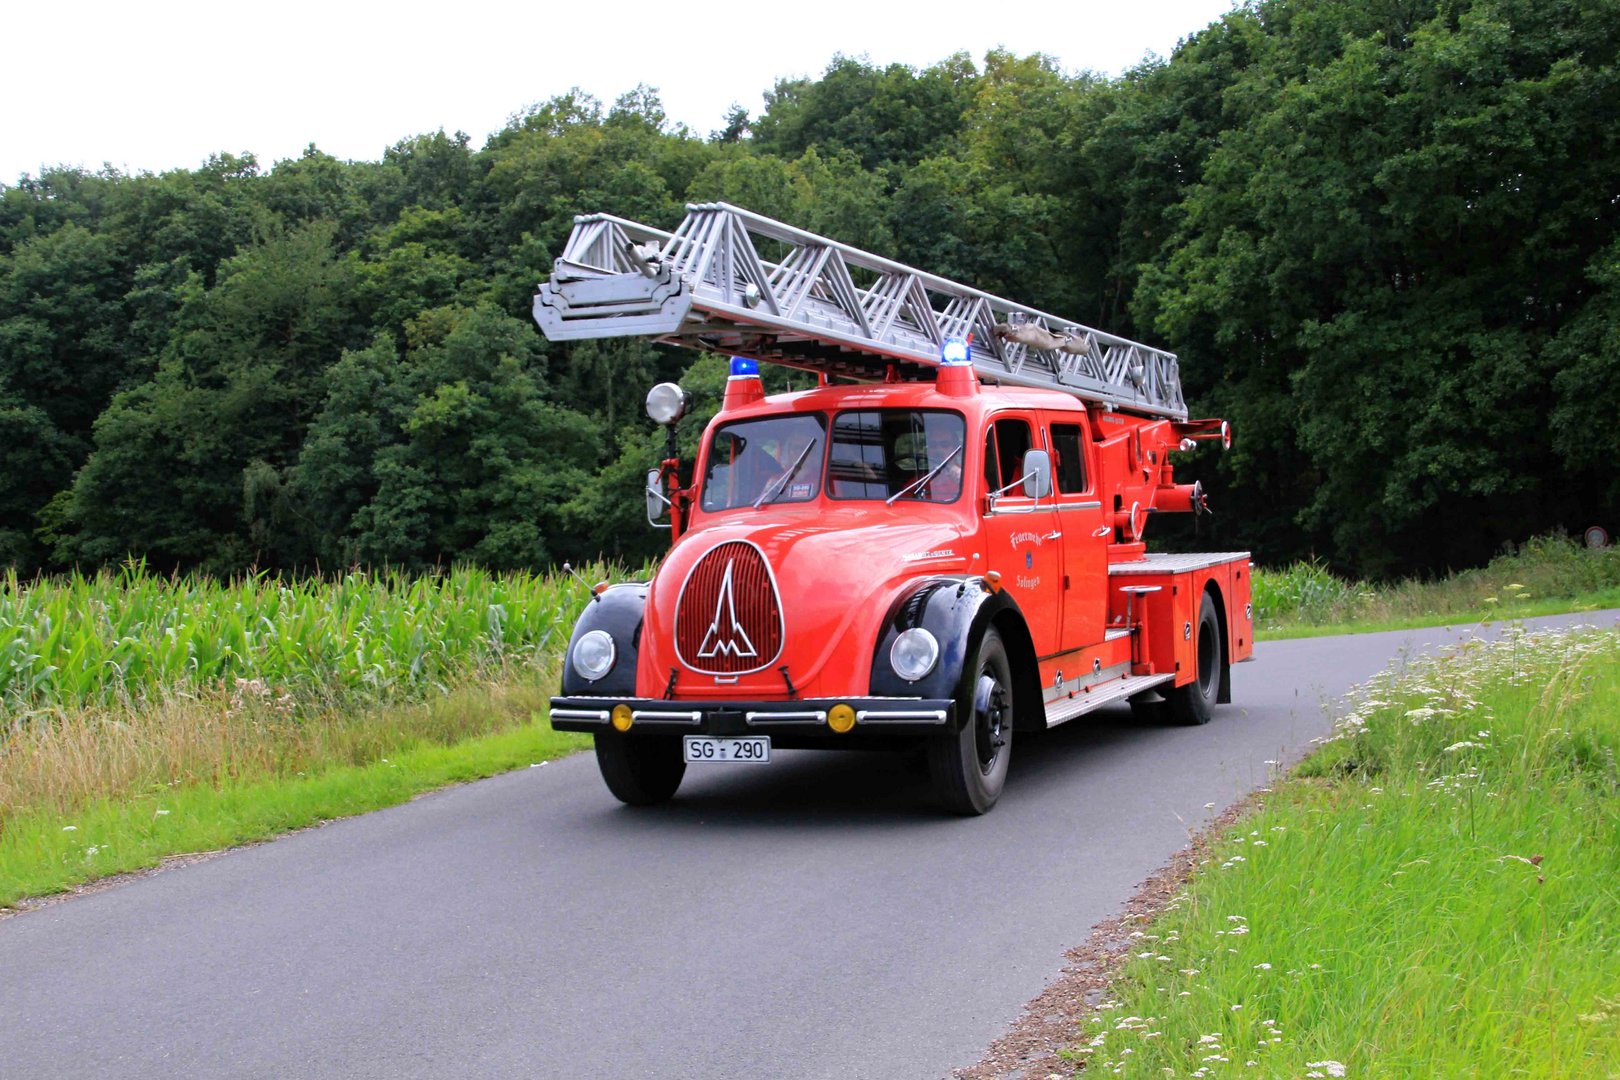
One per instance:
(1514, 584)
(1436, 894)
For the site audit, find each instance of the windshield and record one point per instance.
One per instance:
(890, 453)
(774, 459)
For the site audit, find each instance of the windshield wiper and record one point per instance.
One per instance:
(921, 480)
(777, 486)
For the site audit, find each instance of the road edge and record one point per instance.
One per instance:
(1032, 1047)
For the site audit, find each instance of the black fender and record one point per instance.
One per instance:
(957, 611)
(617, 609)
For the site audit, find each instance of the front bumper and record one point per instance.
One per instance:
(800, 717)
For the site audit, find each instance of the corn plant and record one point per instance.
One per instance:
(127, 635)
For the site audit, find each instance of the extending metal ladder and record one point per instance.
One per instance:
(826, 306)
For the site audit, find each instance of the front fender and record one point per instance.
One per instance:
(618, 610)
(957, 611)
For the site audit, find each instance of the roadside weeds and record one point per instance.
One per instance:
(1051, 1024)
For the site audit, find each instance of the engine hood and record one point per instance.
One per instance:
(834, 575)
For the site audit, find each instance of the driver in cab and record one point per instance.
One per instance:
(945, 462)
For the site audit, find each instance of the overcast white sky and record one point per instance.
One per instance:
(163, 84)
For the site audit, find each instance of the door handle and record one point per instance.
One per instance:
(1052, 535)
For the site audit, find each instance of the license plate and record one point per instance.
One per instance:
(749, 749)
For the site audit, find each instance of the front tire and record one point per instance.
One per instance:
(640, 770)
(970, 767)
(1195, 702)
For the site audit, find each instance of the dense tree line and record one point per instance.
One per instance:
(1381, 235)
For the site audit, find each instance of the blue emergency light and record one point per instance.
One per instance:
(741, 365)
(955, 351)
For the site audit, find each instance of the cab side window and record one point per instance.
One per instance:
(1070, 455)
(1013, 441)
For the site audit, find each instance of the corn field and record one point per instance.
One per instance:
(126, 636)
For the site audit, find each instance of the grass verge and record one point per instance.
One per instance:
(1484, 616)
(1436, 892)
(171, 790)
(1545, 576)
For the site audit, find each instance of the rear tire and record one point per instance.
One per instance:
(1195, 702)
(970, 767)
(640, 770)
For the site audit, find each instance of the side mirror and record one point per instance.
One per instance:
(1037, 474)
(656, 499)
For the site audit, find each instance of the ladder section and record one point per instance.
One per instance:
(731, 281)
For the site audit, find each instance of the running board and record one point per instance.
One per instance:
(1058, 712)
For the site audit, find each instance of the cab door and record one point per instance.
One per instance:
(1022, 535)
(1085, 529)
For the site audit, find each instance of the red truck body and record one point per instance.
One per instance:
(926, 557)
(763, 618)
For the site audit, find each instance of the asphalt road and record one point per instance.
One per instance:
(809, 918)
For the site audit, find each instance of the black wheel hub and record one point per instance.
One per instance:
(989, 720)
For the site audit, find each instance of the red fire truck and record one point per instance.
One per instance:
(939, 546)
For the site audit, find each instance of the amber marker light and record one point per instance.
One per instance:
(622, 718)
(992, 580)
(841, 718)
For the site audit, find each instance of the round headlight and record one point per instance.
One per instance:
(666, 403)
(914, 653)
(593, 654)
